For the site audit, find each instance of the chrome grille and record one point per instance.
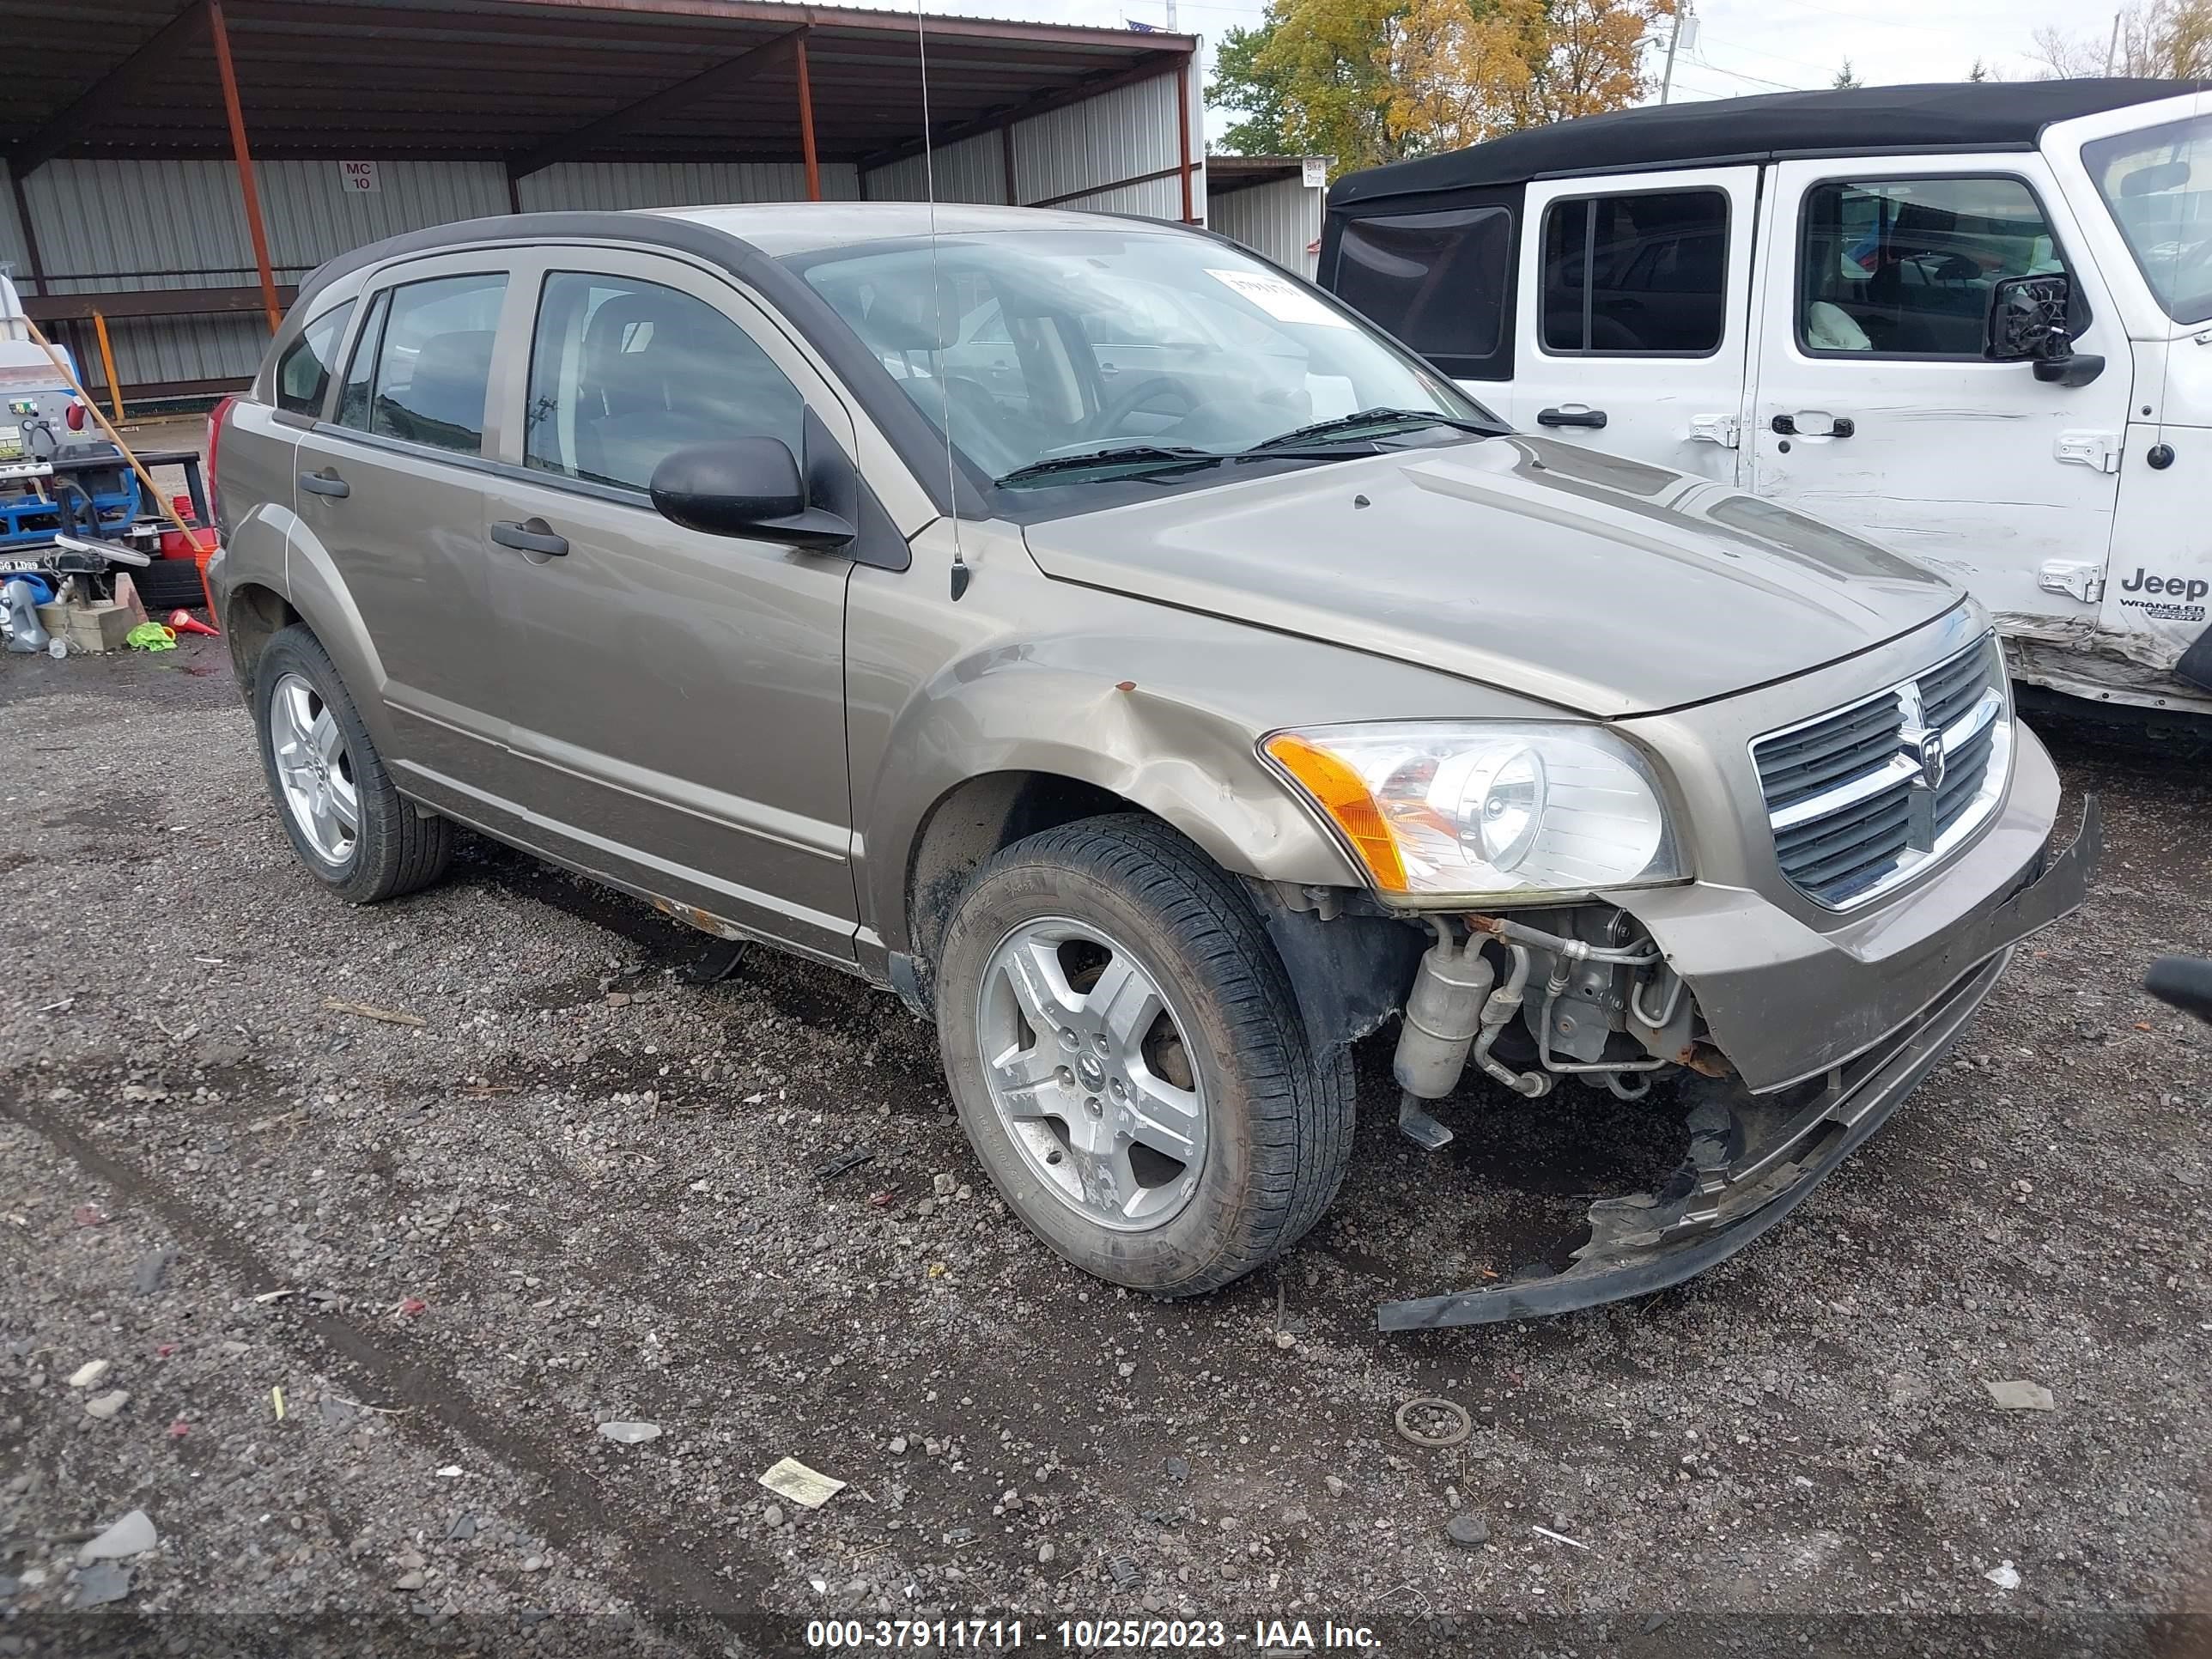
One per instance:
(1862, 798)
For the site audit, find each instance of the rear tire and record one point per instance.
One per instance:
(1174, 1162)
(337, 803)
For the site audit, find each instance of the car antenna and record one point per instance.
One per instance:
(936, 296)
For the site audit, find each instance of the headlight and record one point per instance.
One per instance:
(1485, 810)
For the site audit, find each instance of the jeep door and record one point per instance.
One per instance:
(1634, 304)
(1877, 410)
(677, 698)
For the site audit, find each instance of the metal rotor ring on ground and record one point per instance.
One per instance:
(1450, 1437)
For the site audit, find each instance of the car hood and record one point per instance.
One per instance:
(1597, 584)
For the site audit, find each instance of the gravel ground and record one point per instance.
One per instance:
(365, 1294)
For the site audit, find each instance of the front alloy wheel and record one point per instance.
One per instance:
(1090, 1072)
(1128, 1059)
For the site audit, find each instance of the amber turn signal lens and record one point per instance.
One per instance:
(1336, 788)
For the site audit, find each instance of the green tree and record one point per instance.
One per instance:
(1846, 76)
(1258, 94)
(1372, 81)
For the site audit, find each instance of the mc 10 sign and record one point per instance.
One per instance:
(360, 178)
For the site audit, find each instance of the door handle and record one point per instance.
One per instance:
(325, 483)
(1841, 427)
(530, 535)
(1592, 418)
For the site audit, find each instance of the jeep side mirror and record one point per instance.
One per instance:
(749, 487)
(2029, 325)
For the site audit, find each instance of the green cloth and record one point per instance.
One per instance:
(151, 636)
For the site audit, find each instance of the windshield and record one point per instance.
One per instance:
(2158, 183)
(1053, 344)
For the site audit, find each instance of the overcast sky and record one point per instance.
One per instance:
(1741, 45)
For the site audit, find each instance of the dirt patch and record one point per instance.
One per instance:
(584, 1190)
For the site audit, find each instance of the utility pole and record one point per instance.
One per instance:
(1674, 39)
(2111, 51)
(1171, 17)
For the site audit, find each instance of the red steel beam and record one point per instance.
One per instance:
(244, 156)
(1182, 138)
(806, 123)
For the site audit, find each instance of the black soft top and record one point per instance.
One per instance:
(1989, 115)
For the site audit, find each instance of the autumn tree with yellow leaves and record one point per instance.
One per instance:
(1374, 81)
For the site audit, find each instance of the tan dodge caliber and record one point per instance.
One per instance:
(1154, 675)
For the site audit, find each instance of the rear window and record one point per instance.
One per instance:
(1440, 282)
(303, 372)
(433, 362)
(1641, 274)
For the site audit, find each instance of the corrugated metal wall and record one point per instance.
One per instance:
(1075, 156)
(620, 185)
(1279, 220)
(973, 170)
(106, 225)
(12, 251)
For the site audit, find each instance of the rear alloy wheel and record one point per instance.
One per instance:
(1128, 1060)
(314, 772)
(341, 810)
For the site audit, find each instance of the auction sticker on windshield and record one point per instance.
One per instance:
(1282, 300)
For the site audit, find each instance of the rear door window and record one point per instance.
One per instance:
(1903, 267)
(1440, 282)
(622, 371)
(303, 372)
(1639, 275)
(432, 361)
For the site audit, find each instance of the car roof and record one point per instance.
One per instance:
(781, 228)
(1985, 115)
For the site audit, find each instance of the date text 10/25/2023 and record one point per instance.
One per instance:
(1264, 1636)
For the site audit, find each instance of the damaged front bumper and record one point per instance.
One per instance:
(1754, 1157)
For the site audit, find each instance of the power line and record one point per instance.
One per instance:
(1756, 80)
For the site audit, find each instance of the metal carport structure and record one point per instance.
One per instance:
(174, 171)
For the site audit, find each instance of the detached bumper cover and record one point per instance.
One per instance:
(1753, 1158)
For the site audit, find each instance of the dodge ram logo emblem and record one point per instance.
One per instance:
(1928, 750)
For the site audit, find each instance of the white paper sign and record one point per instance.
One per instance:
(360, 178)
(1278, 297)
(1316, 171)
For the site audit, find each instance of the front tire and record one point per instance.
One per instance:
(1127, 1058)
(339, 805)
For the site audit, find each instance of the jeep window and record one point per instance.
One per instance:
(433, 362)
(303, 372)
(1636, 276)
(1903, 267)
(1065, 342)
(2158, 185)
(1438, 281)
(622, 371)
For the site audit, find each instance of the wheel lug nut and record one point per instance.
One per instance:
(1120, 1088)
(1065, 1077)
(1101, 1042)
(1092, 1106)
(1068, 1038)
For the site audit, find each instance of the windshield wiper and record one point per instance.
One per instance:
(1147, 457)
(1360, 420)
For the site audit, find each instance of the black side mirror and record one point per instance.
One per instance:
(2029, 324)
(748, 487)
